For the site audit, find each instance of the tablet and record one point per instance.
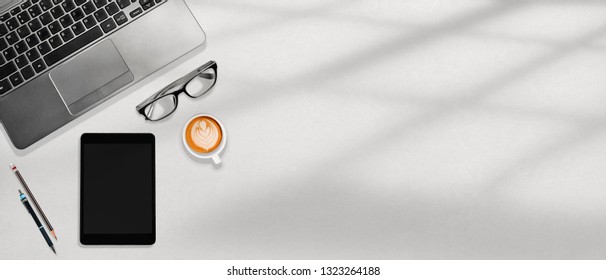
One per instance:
(117, 189)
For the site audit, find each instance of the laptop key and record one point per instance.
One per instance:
(7, 69)
(108, 25)
(16, 79)
(100, 15)
(15, 11)
(66, 21)
(28, 72)
(54, 27)
(2, 61)
(136, 12)
(78, 28)
(23, 31)
(68, 5)
(89, 21)
(123, 3)
(46, 18)
(146, 4)
(76, 44)
(39, 65)
(57, 12)
(5, 16)
(32, 54)
(43, 34)
(9, 53)
(5, 86)
(23, 17)
(12, 38)
(80, 2)
(34, 25)
(88, 8)
(44, 48)
(32, 40)
(77, 14)
(46, 4)
(12, 23)
(112, 8)
(21, 47)
(55, 41)
(26, 4)
(120, 18)
(21, 61)
(66, 34)
(100, 3)
(34, 10)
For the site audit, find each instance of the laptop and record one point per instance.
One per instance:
(60, 58)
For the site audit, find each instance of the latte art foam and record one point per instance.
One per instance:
(203, 134)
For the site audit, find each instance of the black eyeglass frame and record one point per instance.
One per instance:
(183, 80)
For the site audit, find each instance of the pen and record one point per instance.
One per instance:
(40, 226)
(31, 195)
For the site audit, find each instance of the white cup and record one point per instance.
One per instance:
(214, 155)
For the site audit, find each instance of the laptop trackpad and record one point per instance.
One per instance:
(91, 76)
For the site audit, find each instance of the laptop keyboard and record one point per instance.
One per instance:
(37, 34)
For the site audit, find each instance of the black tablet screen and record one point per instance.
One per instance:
(117, 188)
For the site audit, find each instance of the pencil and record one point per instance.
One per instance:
(31, 196)
(36, 220)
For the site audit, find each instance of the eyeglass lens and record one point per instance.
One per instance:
(196, 87)
(201, 83)
(161, 107)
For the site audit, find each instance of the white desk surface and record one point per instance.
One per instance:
(362, 129)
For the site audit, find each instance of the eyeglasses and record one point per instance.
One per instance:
(164, 102)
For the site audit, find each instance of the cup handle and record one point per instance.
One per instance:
(216, 159)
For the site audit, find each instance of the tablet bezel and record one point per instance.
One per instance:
(119, 239)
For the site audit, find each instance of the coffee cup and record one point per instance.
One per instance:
(204, 137)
